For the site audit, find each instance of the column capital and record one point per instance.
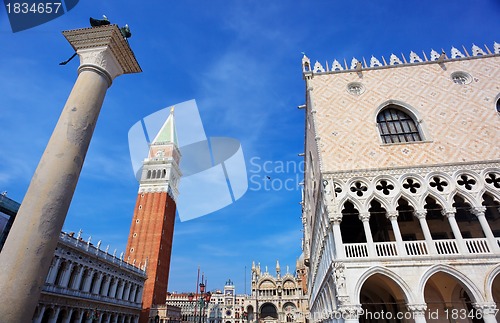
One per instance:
(336, 218)
(364, 216)
(486, 308)
(417, 309)
(392, 215)
(103, 49)
(478, 210)
(420, 214)
(449, 213)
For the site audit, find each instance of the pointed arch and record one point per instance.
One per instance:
(400, 282)
(409, 199)
(489, 282)
(354, 202)
(351, 227)
(463, 279)
(383, 202)
(437, 198)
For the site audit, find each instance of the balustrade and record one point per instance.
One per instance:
(419, 248)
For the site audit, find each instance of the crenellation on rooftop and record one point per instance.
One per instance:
(396, 60)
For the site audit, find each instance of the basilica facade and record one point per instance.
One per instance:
(402, 187)
(277, 298)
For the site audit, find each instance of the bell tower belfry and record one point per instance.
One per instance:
(151, 232)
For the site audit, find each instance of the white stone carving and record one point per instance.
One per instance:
(336, 66)
(354, 63)
(318, 68)
(414, 57)
(394, 60)
(434, 55)
(102, 59)
(374, 62)
(477, 51)
(496, 48)
(455, 53)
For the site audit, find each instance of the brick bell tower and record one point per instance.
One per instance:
(151, 232)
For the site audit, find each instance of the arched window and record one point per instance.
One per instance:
(498, 105)
(397, 126)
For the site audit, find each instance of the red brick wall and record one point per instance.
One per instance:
(150, 238)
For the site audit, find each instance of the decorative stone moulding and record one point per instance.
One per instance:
(414, 58)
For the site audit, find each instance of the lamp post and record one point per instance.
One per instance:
(203, 301)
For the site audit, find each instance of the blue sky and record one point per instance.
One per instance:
(241, 61)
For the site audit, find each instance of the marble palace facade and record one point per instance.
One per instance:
(402, 187)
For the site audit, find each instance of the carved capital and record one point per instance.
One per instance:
(102, 60)
(392, 215)
(449, 213)
(417, 309)
(336, 218)
(486, 308)
(478, 210)
(364, 216)
(420, 214)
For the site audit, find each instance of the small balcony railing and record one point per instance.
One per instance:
(356, 250)
(386, 249)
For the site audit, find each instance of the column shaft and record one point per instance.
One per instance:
(337, 237)
(365, 218)
(426, 231)
(33, 238)
(492, 241)
(393, 216)
(456, 231)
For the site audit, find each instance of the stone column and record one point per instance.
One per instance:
(492, 241)
(119, 291)
(112, 288)
(68, 315)
(127, 292)
(450, 214)
(80, 315)
(88, 280)
(393, 217)
(38, 318)
(25, 258)
(78, 280)
(132, 293)
(421, 214)
(55, 315)
(138, 296)
(67, 274)
(336, 218)
(51, 276)
(486, 311)
(365, 218)
(418, 312)
(107, 281)
(97, 285)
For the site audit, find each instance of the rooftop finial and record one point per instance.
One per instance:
(172, 109)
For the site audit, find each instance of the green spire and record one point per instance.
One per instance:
(167, 133)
